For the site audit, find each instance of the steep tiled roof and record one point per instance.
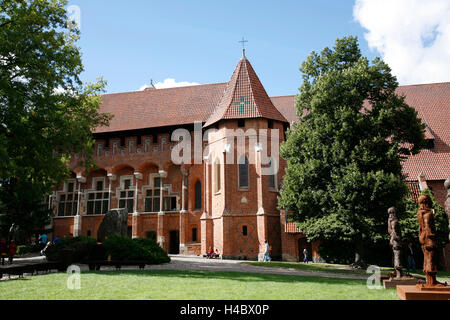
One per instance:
(244, 97)
(286, 105)
(162, 107)
(432, 102)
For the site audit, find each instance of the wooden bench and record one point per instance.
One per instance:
(20, 270)
(214, 256)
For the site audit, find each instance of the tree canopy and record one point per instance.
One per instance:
(46, 112)
(345, 153)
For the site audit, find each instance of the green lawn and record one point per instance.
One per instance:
(332, 268)
(191, 285)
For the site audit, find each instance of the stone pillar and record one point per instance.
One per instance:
(261, 216)
(111, 178)
(206, 233)
(160, 228)
(77, 218)
(447, 210)
(447, 203)
(183, 214)
(135, 220)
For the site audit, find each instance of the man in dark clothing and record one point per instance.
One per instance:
(12, 250)
(3, 250)
(410, 257)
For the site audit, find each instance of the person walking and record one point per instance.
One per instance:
(12, 250)
(3, 250)
(410, 257)
(43, 240)
(266, 252)
(305, 255)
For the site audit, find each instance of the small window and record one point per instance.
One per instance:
(244, 230)
(157, 183)
(170, 203)
(270, 124)
(122, 141)
(89, 233)
(70, 188)
(194, 235)
(99, 186)
(241, 123)
(127, 184)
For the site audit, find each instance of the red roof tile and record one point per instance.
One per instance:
(162, 107)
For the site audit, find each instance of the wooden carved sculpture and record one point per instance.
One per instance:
(395, 241)
(427, 238)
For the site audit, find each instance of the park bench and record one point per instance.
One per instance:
(97, 264)
(214, 256)
(32, 268)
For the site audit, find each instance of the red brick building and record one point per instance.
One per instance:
(221, 199)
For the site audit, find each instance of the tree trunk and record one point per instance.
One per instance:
(359, 254)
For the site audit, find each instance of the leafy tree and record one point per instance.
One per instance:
(46, 112)
(344, 156)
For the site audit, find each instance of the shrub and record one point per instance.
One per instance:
(158, 254)
(126, 249)
(71, 250)
(25, 249)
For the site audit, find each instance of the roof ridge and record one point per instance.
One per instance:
(423, 84)
(172, 88)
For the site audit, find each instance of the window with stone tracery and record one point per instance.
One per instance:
(68, 200)
(153, 196)
(126, 195)
(98, 199)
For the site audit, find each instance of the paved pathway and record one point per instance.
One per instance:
(179, 262)
(196, 263)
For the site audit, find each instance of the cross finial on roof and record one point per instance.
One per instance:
(243, 41)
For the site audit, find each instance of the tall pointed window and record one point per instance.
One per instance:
(273, 177)
(198, 196)
(243, 173)
(217, 184)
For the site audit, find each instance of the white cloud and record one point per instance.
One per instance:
(169, 83)
(412, 36)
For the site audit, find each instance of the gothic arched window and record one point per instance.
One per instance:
(243, 172)
(217, 184)
(198, 196)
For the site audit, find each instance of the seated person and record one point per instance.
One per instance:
(216, 254)
(210, 253)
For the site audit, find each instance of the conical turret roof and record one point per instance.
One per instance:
(244, 97)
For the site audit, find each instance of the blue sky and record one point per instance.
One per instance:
(131, 42)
